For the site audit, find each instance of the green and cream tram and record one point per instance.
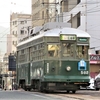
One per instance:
(55, 59)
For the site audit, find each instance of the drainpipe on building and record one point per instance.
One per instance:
(71, 20)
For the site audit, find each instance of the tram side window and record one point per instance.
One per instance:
(82, 51)
(53, 50)
(67, 49)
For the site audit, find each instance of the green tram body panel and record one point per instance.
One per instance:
(59, 73)
(23, 73)
(53, 71)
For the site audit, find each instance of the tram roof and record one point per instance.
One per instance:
(56, 32)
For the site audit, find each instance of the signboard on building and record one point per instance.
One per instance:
(12, 63)
(94, 59)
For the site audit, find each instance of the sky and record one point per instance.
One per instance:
(9, 6)
(6, 8)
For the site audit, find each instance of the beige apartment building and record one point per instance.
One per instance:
(19, 30)
(43, 11)
(20, 25)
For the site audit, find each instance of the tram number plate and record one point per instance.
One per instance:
(84, 72)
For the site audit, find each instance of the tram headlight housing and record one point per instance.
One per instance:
(68, 68)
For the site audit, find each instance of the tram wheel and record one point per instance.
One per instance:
(73, 91)
(68, 91)
(41, 89)
(97, 89)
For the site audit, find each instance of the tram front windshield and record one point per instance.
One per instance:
(67, 49)
(78, 51)
(82, 51)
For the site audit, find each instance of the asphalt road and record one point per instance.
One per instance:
(24, 95)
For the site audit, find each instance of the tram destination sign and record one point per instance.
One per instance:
(94, 57)
(67, 37)
(82, 39)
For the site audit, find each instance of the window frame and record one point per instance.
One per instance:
(71, 55)
(48, 56)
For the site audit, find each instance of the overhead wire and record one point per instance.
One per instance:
(14, 26)
(87, 3)
(4, 30)
(9, 31)
(59, 16)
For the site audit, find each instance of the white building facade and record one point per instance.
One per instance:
(93, 23)
(82, 14)
(73, 11)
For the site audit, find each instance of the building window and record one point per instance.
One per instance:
(61, 7)
(15, 22)
(65, 6)
(78, 19)
(22, 32)
(14, 42)
(78, 1)
(97, 52)
(13, 32)
(25, 21)
(21, 22)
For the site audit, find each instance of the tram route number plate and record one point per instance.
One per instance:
(84, 72)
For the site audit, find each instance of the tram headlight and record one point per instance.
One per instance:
(68, 68)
